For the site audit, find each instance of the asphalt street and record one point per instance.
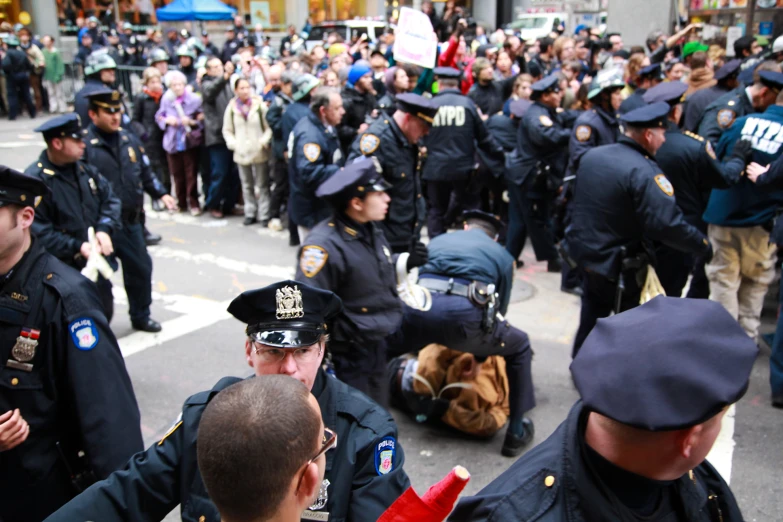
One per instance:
(203, 263)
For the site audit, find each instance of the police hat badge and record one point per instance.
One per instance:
(289, 303)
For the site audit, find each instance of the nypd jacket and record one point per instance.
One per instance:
(80, 198)
(542, 138)
(125, 165)
(363, 476)
(314, 157)
(553, 482)
(721, 114)
(72, 387)
(622, 199)
(358, 106)
(275, 119)
(694, 107)
(592, 128)
(456, 133)
(399, 159)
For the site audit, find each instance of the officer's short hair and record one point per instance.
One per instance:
(545, 44)
(253, 438)
(767, 65)
(482, 225)
(742, 44)
(321, 98)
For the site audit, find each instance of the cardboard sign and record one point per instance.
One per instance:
(414, 42)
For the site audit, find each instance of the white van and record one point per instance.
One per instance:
(532, 26)
(347, 28)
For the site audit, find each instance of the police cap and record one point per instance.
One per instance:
(288, 314)
(668, 364)
(647, 116)
(19, 189)
(355, 180)
(730, 68)
(771, 79)
(447, 72)
(669, 92)
(105, 98)
(418, 106)
(550, 83)
(485, 217)
(651, 71)
(518, 108)
(64, 126)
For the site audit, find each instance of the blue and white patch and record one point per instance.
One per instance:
(84, 333)
(384, 455)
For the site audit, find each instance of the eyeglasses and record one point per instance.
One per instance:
(276, 355)
(329, 442)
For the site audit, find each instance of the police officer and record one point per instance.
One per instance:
(314, 157)
(469, 276)
(349, 255)
(17, 69)
(635, 451)
(118, 155)
(696, 104)
(100, 73)
(286, 334)
(187, 58)
(79, 198)
(693, 169)
(450, 169)
(393, 140)
(68, 415)
(159, 59)
(649, 77)
(303, 87)
(622, 201)
(721, 114)
(542, 153)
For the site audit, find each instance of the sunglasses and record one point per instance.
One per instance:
(329, 442)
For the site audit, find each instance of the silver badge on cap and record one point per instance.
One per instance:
(289, 303)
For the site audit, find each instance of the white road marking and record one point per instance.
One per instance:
(271, 271)
(722, 452)
(206, 221)
(17, 144)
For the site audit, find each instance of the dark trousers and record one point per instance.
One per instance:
(160, 166)
(224, 180)
(454, 321)
(447, 200)
(18, 86)
(184, 171)
(776, 358)
(363, 366)
(516, 235)
(204, 169)
(673, 268)
(598, 301)
(280, 188)
(131, 250)
(106, 296)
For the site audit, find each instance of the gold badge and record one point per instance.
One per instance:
(726, 117)
(132, 154)
(312, 151)
(583, 132)
(24, 350)
(312, 260)
(664, 184)
(369, 144)
(115, 95)
(545, 120)
(710, 151)
(289, 303)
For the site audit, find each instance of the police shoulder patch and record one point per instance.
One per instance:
(583, 132)
(545, 120)
(664, 184)
(710, 151)
(369, 144)
(84, 333)
(312, 151)
(726, 117)
(312, 260)
(384, 455)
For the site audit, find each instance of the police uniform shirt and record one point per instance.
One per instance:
(723, 112)
(504, 129)
(542, 137)
(697, 103)
(364, 474)
(592, 128)
(80, 198)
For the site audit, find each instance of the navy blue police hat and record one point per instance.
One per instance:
(647, 116)
(651, 71)
(105, 98)
(668, 364)
(771, 79)
(550, 83)
(669, 92)
(518, 108)
(64, 126)
(354, 180)
(19, 189)
(288, 314)
(730, 68)
(485, 217)
(447, 72)
(417, 105)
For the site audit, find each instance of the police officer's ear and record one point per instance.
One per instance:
(310, 485)
(93, 114)
(248, 352)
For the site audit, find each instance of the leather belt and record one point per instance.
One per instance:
(131, 215)
(443, 286)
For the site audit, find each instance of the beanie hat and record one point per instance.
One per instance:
(357, 71)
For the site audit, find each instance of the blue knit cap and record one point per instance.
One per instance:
(357, 71)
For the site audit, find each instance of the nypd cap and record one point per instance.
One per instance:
(447, 72)
(63, 126)
(518, 108)
(669, 92)
(19, 189)
(730, 68)
(653, 71)
(105, 98)
(354, 180)
(417, 105)
(485, 217)
(647, 116)
(771, 79)
(549, 84)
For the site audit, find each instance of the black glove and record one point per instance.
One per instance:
(743, 150)
(418, 255)
(709, 253)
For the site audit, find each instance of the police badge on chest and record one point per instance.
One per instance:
(312, 512)
(24, 350)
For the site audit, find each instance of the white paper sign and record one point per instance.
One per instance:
(414, 42)
(732, 35)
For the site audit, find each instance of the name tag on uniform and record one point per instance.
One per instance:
(315, 515)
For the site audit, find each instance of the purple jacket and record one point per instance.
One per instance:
(174, 137)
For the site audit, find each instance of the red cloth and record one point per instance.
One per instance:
(434, 506)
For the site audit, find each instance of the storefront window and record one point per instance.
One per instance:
(321, 10)
(269, 13)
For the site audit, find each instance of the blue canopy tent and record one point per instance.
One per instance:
(186, 10)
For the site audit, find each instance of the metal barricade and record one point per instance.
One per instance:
(73, 81)
(129, 83)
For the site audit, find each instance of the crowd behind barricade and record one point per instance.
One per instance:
(634, 172)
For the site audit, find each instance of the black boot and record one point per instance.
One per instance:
(150, 238)
(554, 266)
(514, 444)
(147, 325)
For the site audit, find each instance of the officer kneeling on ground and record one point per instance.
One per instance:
(655, 383)
(287, 334)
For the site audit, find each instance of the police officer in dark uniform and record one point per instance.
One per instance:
(649, 77)
(286, 334)
(542, 154)
(17, 69)
(100, 73)
(697, 103)
(349, 255)
(393, 140)
(721, 114)
(690, 164)
(68, 415)
(79, 198)
(118, 155)
(619, 453)
(469, 276)
(506, 133)
(450, 169)
(622, 201)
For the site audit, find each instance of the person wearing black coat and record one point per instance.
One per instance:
(489, 94)
(697, 103)
(17, 69)
(146, 128)
(360, 105)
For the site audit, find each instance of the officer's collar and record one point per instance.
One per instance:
(316, 120)
(50, 169)
(671, 127)
(625, 140)
(605, 115)
(94, 133)
(19, 274)
(350, 229)
(323, 391)
(397, 131)
(551, 110)
(450, 90)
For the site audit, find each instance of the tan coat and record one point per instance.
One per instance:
(249, 139)
(481, 409)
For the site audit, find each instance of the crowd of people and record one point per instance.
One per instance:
(627, 169)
